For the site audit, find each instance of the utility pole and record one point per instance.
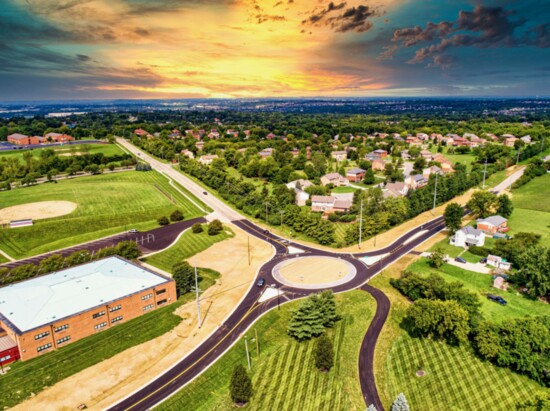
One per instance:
(278, 300)
(257, 343)
(266, 204)
(361, 223)
(484, 174)
(247, 354)
(197, 296)
(281, 212)
(435, 190)
(517, 159)
(248, 250)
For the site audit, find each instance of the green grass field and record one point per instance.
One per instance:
(344, 189)
(481, 284)
(107, 204)
(188, 244)
(455, 379)
(532, 208)
(26, 379)
(68, 150)
(284, 377)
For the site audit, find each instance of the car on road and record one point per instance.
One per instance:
(261, 282)
(497, 299)
(133, 230)
(266, 231)
(205, 193)
(460, 260)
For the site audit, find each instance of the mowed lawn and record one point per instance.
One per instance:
(455, 379)
(284, 376)
(532, 208)
(107, 204)
(187, 245)
(69, 150)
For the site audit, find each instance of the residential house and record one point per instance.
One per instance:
(498, 262)
(141, 132)
(509, 140)
(415, 181)
(295, 152)
(422, 136)
(381, 153)
(355, 175)
(207, 159)
(397, 189)
(427, 155)
(19, 139)
(335, 179)
(468, 236)
(199, 145)
(431, 170)
(187, 153)
(339, 155)
(266, 152)
(493, 224)
(329, 204)
(526, 139)
(271, 136)
(214, 134)
(322, 203)
(300, 184)
(378, 165)
(301, 197)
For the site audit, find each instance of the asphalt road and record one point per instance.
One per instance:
(249, 310)
(149, 241)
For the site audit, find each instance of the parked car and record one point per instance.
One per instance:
(497, 299)
(483, 260)
(261, 282)
(133, 230)
(460, 260)
(205, 193)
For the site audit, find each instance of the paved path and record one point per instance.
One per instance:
(153, 240)
(508, 181)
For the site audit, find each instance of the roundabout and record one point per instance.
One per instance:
(314, 272)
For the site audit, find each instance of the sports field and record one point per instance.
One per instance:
(68, 150)
(107, 204)
(187, 245)
(284, 376)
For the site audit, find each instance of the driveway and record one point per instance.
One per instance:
(509, 181)
(477, 267)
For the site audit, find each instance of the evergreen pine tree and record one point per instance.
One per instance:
(241, 385)
(400, 403)
(327, 308)
(306, 322)
(324, 354)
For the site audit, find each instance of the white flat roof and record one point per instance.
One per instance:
(50, 298)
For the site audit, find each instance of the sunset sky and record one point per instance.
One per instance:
(103, 49)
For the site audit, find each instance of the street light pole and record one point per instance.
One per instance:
(484, 174)
(197, 296)
(360, 224)
(247, 354)
(435, 190)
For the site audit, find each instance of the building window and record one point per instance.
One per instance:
(116, 319)
(147, 307)
(61, 328)
(159, 292)
(100, 325)
(99, 314)
(7, 357)
(44, 347)
(146, 297)
(115, 308)
(41, 335)
(161, 302)
(64, 339)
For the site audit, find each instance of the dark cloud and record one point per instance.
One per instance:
(82, 57)
(483, 27)
(261, 18)
(352, 19)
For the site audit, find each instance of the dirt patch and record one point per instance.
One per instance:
(314, 270)
(109, 381)
(36, 211)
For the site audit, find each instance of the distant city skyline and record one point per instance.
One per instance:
(128, 49)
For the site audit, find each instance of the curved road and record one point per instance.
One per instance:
(250, 309)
